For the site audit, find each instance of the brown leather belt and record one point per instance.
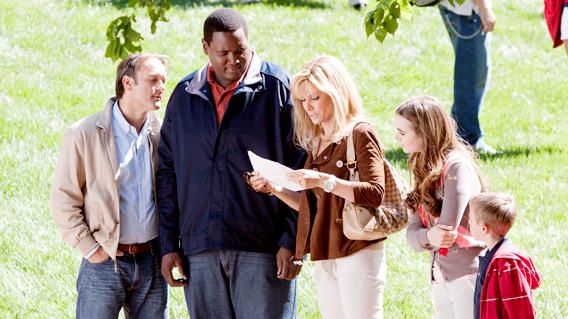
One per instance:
(133, 249)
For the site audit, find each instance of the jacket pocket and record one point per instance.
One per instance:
(93, 216)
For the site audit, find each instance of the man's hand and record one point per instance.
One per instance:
(169, 262)
(287, 269)
(442, 236)
(486, 15)
(100, 255)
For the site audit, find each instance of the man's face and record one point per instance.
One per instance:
(148, 89)
(229, 54)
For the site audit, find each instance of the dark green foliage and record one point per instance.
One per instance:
(122, 38)
(383, 19)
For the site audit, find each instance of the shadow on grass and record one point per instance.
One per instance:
(521, 152)
(189, 4)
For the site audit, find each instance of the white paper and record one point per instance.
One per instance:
(273, 172)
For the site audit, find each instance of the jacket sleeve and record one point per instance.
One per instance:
(370, 163)
(515, 291)
(295, 158)
(459, 188)
(416, 234)
(166, 184)
(66, 201)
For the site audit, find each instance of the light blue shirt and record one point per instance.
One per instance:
(138, 220)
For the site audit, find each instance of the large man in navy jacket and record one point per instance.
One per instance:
(233, 247)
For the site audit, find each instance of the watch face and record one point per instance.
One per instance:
(329, 186)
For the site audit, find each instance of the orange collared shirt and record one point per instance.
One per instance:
(222, 96)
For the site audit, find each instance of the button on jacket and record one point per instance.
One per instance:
(201, 194)
(320, 230)
(85, 200)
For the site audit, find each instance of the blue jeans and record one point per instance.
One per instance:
(471, 73)
(237, 284)
(137, 286)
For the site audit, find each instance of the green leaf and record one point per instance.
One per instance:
(131, 35)
(369, 29)
(390, 24)
(153, 27)
(395, 10)
(406, 12)
(123, 52)
(378, 17)
(152, 14)
(452, 3)
(132, 3)
(380, 34)
(369, 17)
(109, 50)
(167, 5)
(116, 50)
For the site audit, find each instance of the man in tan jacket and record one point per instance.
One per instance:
(103, 196)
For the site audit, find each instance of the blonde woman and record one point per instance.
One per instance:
(350, 275)
(446, 178)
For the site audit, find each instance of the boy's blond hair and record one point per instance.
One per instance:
(497, 210)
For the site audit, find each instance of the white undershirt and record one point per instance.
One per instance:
(464, 9)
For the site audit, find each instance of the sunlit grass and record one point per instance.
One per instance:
(52, 73)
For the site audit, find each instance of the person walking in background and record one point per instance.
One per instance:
(350, 275)
(469, 26)
(103, 196)
(556, 14)
(237, 246)
(506, 275)
(445, 179)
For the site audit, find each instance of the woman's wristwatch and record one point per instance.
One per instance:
(329, 185)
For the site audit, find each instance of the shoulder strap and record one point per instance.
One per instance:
(351, 158)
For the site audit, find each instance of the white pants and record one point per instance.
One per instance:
(454, 299)
(564, 25)
(352, 286)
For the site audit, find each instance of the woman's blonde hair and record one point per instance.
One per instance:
(432, 122)
(328, 75)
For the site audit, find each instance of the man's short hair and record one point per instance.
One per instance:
(131, 65)
(223, 20)
(497, 210)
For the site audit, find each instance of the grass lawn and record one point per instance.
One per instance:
(52, 73)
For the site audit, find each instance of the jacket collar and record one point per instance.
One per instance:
(199, 85)
(105, 121)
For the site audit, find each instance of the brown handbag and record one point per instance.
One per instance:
(371, 223)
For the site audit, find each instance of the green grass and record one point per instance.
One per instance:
(52, 73)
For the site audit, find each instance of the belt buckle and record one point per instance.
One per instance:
(130, 249)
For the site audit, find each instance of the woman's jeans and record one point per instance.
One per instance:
(471, 73)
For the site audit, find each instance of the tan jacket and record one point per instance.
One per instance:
(320, 218)
(84, 196)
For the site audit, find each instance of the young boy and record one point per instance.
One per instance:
(506, 275)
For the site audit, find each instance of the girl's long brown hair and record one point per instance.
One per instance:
(439, 131)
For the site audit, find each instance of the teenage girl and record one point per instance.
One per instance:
(446, 177)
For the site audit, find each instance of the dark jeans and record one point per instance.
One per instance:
(238, 284)
(137, 286)
(471, 73)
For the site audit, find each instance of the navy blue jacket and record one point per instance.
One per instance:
(202, 198)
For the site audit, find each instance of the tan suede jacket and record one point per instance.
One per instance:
(320, 218)
(84, 196)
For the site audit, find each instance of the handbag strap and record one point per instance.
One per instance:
(351, 158)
